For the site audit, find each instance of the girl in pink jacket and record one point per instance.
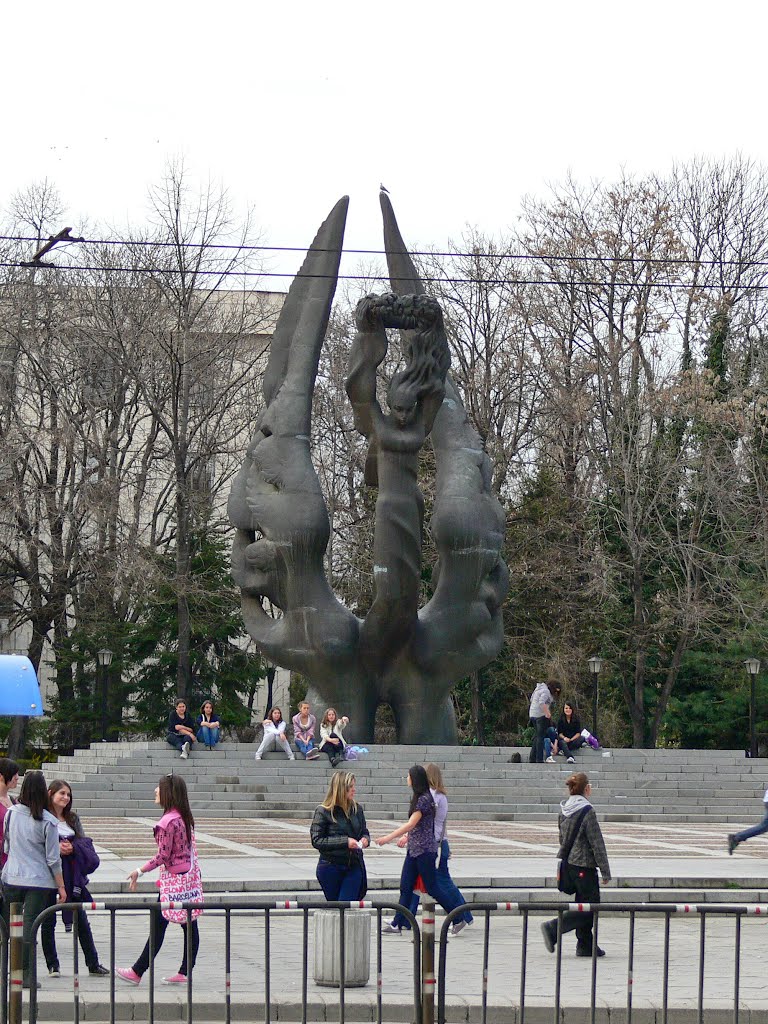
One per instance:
(175, 852)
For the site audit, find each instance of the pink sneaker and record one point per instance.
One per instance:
(128, 974)
(175, 979)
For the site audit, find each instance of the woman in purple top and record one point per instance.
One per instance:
(421, 853)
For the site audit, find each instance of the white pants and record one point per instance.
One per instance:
(273, 741)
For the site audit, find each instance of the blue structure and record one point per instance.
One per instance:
(19, 688)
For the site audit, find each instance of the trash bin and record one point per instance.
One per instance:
(357, 948)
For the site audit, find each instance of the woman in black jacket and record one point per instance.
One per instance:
(569, 737)
(339, 834)
(577, 818)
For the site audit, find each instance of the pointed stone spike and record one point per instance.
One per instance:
(403, 275)
(308, 303)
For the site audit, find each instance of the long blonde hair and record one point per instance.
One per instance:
(337, 794)
(435, 778)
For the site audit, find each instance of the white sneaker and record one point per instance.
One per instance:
(550, 760)
(571, 760)
(185, 750)
(459, 926)
(389, 929)
(258, 757)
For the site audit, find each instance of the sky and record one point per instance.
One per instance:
(460, 109)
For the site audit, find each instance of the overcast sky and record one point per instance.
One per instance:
(459, 108)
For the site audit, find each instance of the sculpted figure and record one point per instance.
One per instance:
(399, 654)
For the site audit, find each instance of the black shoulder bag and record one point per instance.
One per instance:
(566, 875)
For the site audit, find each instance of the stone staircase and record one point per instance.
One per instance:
(118, 779)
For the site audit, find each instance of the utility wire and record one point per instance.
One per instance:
(553, 257)
(539, 282)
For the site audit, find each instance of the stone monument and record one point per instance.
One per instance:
(399, 654)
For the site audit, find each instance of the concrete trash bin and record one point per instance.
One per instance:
(357, 948)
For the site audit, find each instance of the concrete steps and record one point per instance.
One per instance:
(115, 779)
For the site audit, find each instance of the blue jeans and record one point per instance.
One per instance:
(756, 830)
(549, 739)
(442, 870)
(304, 747)
(337, 882)
(446, 893)
(210, 737)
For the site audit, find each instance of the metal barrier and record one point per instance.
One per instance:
(3, 970)
(632, 910)
(267, 909)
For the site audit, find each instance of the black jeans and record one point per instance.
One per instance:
(537, 749)
(34, 902)
(587, 891)
(335, 751)
(161, 924)
(84, 935)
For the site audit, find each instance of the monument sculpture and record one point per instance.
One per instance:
(399, 654)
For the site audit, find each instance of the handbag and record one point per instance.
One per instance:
(183, 888)
(566, 874)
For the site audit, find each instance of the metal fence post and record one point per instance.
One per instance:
(16, 949)
(427, 959)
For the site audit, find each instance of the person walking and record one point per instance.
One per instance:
(540, 716)
(304, 725)
(421, 851)
(180, 879)
(32, 874)
(274, 735)
(78, 860)
(340, 835)
(437, 789)
(181, 729)
(735, 838)
(208, 725)
(580, 829)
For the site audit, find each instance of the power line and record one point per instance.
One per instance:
(553, 257)
(539, 282)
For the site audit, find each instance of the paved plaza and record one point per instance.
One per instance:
(260, 858)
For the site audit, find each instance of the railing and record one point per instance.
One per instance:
(267, 910)
(631, 911)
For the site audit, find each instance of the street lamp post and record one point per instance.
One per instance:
(104, 658)
(595, 666)
(752, 665)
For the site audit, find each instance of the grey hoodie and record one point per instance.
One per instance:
(589, 848)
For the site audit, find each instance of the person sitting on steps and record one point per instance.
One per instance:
(569, 732)
(181, 729)
(304, 725)
(274, 735)
(208, 725)
(332, 740)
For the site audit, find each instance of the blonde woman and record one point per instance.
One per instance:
(332, 740)
(339, 834)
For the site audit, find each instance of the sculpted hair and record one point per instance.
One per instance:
(577, 783)
(54, 788)
(337, 795)
(435, 778)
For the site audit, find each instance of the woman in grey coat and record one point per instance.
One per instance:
(586, 856)
(32, 874)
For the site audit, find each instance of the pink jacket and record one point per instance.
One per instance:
(173, 848)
